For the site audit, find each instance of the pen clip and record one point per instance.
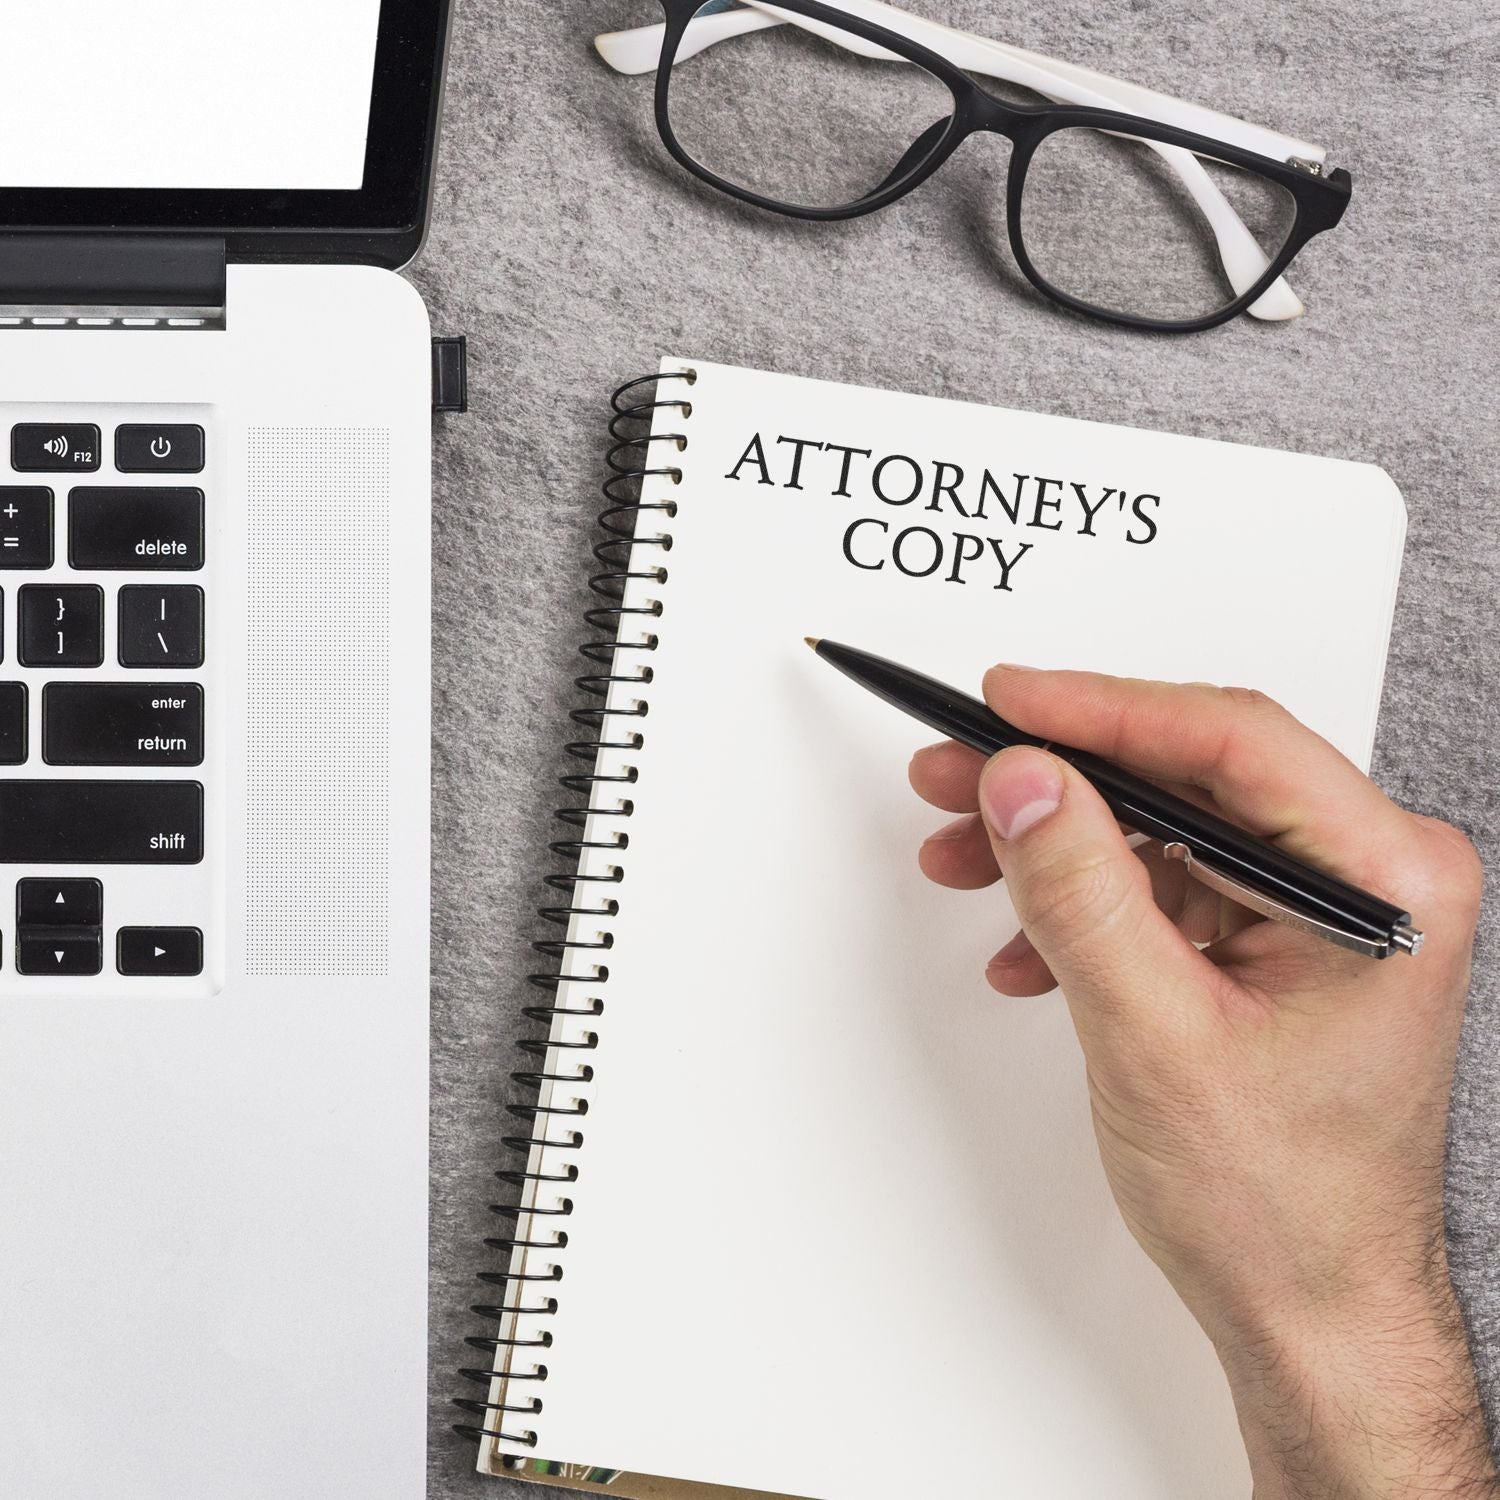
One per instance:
(1268, 906)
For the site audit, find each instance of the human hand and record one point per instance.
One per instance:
(1270, 1110)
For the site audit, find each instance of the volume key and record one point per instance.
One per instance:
(54, 447)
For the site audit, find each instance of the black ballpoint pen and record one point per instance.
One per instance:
(1239, 865)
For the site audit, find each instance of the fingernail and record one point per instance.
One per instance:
(1019, 788)
(954, 830)
(1013, 952)
(1011, 666)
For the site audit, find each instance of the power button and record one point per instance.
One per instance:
(158, 449)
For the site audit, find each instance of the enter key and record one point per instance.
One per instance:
(122, 724)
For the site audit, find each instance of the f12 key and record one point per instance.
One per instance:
(52, 447)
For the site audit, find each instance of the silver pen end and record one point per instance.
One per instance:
(1406, 938)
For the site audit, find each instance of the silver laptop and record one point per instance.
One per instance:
(215, 408)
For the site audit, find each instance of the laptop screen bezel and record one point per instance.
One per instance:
(379, 223)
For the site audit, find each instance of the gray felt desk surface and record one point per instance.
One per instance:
(573, 254)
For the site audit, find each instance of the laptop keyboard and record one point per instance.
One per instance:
(108, 760)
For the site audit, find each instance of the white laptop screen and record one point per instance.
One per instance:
(186, 94)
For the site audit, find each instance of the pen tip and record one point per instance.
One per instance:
(812, 641)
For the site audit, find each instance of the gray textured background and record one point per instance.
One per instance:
(573, 254)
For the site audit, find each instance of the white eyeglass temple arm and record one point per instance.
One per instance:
(638, 50)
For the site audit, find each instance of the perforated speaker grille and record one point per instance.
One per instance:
(318, 770)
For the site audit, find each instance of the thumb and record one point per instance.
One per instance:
(1083, 897)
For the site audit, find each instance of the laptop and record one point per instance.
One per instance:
(215, 440)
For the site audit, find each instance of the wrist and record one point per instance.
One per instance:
(1374, 1399)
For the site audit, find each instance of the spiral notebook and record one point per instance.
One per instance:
(804, 1208)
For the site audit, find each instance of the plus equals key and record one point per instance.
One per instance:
(25, 526)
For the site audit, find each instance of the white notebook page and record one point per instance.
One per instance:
(839, 1220)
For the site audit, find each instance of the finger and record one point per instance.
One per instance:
(1201, 915)
(959, 856)
(1086, 902)
(1264, 770)
(1018, 969)
(947, 776)
(1169, 882)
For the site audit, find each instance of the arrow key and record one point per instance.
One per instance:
(59, 903)
(58, 950)
(159, 951)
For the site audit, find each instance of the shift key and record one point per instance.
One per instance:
(101, 822)
(136, 528)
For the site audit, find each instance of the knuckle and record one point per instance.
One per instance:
(1254, 707)
(1242, 754)
(1462, 869)
(1250, 698)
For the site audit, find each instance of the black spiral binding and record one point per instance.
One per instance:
(631, 463)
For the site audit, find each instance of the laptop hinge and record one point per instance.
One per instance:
(111, 280)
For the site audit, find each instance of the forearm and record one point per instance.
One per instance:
(1383, 1408)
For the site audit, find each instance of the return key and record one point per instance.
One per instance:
(122, 724)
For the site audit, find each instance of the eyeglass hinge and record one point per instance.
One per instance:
(1306, 164)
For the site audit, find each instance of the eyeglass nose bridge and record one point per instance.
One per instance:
(978, 111)
(975, 112)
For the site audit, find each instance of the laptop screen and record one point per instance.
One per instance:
(294, 129)
(186, 93)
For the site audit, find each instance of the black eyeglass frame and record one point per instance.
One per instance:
(1319, 200)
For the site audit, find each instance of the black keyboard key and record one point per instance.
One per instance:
(52, 447)
(159, 950)
(61, 625)
(13, 725)
(70, 902)
(25, 526)
(161, 626)
(62, 950)
(101, 822)
(135, 529)
(158, 449)
(122, 724)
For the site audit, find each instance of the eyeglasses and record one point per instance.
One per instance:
(1121, 203)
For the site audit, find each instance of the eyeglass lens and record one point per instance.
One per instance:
(1130, 225)
(788, 115)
